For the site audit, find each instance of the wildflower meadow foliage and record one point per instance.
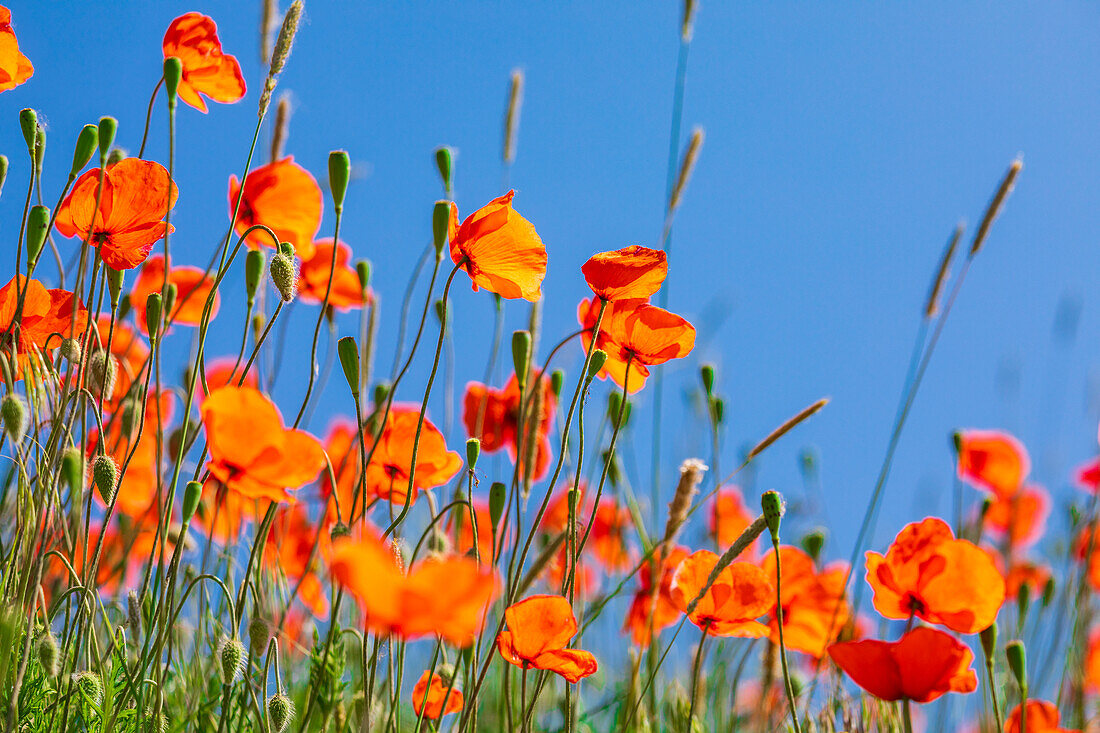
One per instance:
(179, 553)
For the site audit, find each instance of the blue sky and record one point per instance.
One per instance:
(843, 143)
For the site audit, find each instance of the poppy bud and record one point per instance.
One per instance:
(441, 311)
(116, 156)
(124, 306)
(257, 325)
(338, 531)
(339, 171)
(3, 170)
(231, 660)
(89, 685)
(170, 295)
(14, 413)
(362, 269)
(557, 379)
(37, 223)
(441, 223)
(521, 355)
(957, 442)
(444, 161)
(177, 436)
(614, 402)
(497, 494)
(192, 493)
(173, 73)
(102, 370)
(253, 271)
(105, 135)
(39, 148)
(286, 248)
(595, 364)
(772, 504)
(473, 450)
(86, 143)
(114, 284)
(72, 469)
(719, 408)
(1017, 662)
(1023, 601)
(988, 638)
(707, 373)
(813, 542)
(349, 360)
(807, 460)
(284, 273)
(28, 122)
(133, 614)
(381, 392)
(1048, 592)
(105, 476)
(153, 308)
(48, 655)
(258, 634)
(279, 712)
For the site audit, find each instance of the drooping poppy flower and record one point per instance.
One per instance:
(626, 274)
(731, 606)
(136, 197)
(928, 573)
(729, 517)
(131, 356)
(431, 696)
(15, 68)
(226, 371)
(446, 596)
(814, 610)
(1021, 517)
(498, 413)
(290, 550)
(282, 196)
(314, 275)
(1042, 717)
(920, 666)
(654, 606)
(389, 468)
(193, 288)
(47, 318)
(539, 628)
(250, 450)
(1087, 476)
(193, 39)
(992, 460)
(637, 334)
(499, 250)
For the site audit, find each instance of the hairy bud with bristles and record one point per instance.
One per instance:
(89, 685)
(231, 660)
(284, 274)
(102, 371)
(72, 469)
(105, 476)
(258, 634)
(13, 410)
(279, 712)
(70, 350)
(133, 614)
(48, 655)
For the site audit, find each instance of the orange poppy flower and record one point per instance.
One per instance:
(539, 628)
(625, 274)
(250, 450)
(500, 420)
(920, 666)
(729, 517)
(741, 594)
(290, 550)
(284, 197)
(928, 573)
(446, 596)
(436, 691)
(47, 318)
(192, 289)
(1022, 573)
(314, 275)
(499, 250)
(136, 197)
(814, 610)
(993, 460)
(226, 371)
(1020, 517)
(15, 68)
(636, 333)
(1088, 475)
(389, 468)
(607, 540)
(1092, 663)
(664, 610)
(193, 39)
(1042, 717)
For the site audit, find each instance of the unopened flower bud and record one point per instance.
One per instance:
(114, 285)
(89, 685)
(813, 542)
(381, 392)
(521, 355)
(108, 127)
(284, 274)
(772, 505)
(231, 660)
(339, 172)
(72, 470)
(362, 269)
(338, 531)
(124, 306)
(279, 712)
(13, 410)
(286, 248)
(116, 156)
(154, 305)
(719, 410)
(441, 226)
(38, 222)
(441, 311)
(86, 143)
(988, 639)
(28, 122)
(170, 294)
(1017, 662)
(595, 364)
(349, 360)
(473, 450)
(557, 380)
(48, 655)
(133, 614)
(192, 494)
(707, 373)
(259, 632)
(173, 74)
(39, 148)
(105, 476)
(444, 161)
(253, 272)
(1048, 592)
(3, 170)
(498, 493)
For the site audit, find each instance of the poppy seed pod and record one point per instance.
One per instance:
(521, 355)
(557, 379)
(231, 660)
(192, 494)
(48, 655)
(1017, 662)
(86, 143)
(72, 470)
(114, 285)
(153, 309)
(284, 274)
(14, 413)
(595, 364)
(102, 370)
(772, 505)
(473, 451)
(349, 360)
(37, 222)
(444, 161)
(253, 272)
(28, 123)
(362, 269)
(105, 476)
(279, 712)
(441, 222)
(707, 373)
(173, 74)
(497, 494)
(108, 127)
(339, 172)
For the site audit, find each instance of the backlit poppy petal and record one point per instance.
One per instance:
(284, 197)
(436, 693)
(631, 272)
(500, 250)
(193, 39)
(992, 460)
(15, 68)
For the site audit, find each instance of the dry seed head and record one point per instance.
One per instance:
(687, 166)
(284, 274)
(398, 557)
(13, 410)
(105, 476)
(785, 428)
(691, 475)
(932, 305)
(231, 659)
(279, 712)
(48, 655)
(283, 43)
(268, 20)
(688, 23)
(282, 127)
(996, 205)
(511, 118)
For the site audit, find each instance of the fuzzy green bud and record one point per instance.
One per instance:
(441, 225)
(173, 74)
(72, 470)
(105, 476)
(192, 494)
(89, 685)
(70, 350)
(707, 373)
(114, 285)
(339, 173)
(231, 660)
(86, 143)
(116, 156)
(988, 638)
(133, 614)
(1023, 600)
(349, 360)
(595, 364)
(813, 542)
(284, 274)
(37, 223)
(48, 654)
(1017, 661)
(108, 128)
(498, 492)
(521, 355)
(557, 381)
(13, 410)
(362, 269)
(772, 505)
(279, 712)
(28, 123)
(258, 635)
(473, 451)
(154, 305)
(444, 161)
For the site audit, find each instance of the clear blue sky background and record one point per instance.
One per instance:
(843, 144)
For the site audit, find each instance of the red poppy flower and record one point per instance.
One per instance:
(193, 39)
(47, 318)
(192, 289)
(1042, 717)
(731, 606)
(930, 574)
(499, 250)
(636, 333)
(993, 460)
(539, 628)
(15, 68)
(654, 606)
(499, 413)
(315, 273)
(437, 691)
(389, 468)
(290, 550)
(1021, 517)
(920, 666)
(446, 596)
(729, 517)
(1088, 475)
(284, 197)
(625, 274)
(250, 450)
(814, 610)
(607, 540)
(1087, 545)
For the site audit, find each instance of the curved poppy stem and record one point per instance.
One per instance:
(149, 117)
